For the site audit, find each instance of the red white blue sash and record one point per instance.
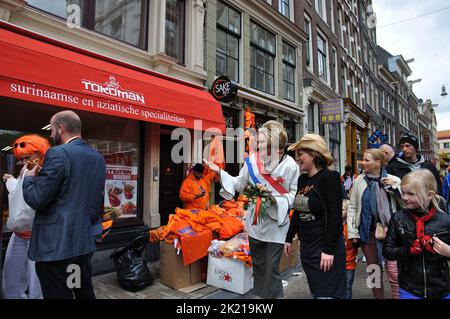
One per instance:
(259, 175)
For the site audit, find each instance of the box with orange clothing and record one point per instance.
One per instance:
(173, 272)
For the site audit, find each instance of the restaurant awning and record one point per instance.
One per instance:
(44, 72)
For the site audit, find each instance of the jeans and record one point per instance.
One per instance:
(406, 295)
(350, 278)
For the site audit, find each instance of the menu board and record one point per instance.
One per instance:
(120, 192)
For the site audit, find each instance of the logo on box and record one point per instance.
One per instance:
(223, 275)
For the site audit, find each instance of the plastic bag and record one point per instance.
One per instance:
(131, 266)
(21, 216)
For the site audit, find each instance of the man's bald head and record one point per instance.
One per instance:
(70, 120)
(388, 152)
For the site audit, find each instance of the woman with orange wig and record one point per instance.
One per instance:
(19, 275)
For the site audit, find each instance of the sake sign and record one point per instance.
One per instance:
(332, 111)
(223, 89)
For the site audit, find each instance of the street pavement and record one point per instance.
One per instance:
(296, 287)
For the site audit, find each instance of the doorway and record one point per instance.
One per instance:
(171, 177)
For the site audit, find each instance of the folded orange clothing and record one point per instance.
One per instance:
(195, 246)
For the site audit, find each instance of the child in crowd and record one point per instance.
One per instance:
(418, 238)
(351, 253)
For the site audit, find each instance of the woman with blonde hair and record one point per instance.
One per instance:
(372, 203)
(19, 275)
(418, 238)
(278, 172)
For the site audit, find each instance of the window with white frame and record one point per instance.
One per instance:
(262, 57)
(175, 20)
(321, 9)
(339, 24)
(289, 63)
(322, 57)
(309, 61)
(228, 36)
(333, 27)
(286, 8)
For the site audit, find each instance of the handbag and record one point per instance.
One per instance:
(380, 231)
(21, 216)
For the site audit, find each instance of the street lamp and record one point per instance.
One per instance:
(444, 92)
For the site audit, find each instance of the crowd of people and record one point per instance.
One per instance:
(393, 210)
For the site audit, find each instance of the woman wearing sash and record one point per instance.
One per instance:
(279, 173)
(317, 219)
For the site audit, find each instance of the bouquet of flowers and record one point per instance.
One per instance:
(260, 197)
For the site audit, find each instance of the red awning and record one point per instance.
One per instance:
(38, 71)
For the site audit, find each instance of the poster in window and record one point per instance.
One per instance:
(120, 191)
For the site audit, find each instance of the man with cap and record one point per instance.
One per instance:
(195, 190)
(411, 160)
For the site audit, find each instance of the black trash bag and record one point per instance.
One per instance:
(131, 267)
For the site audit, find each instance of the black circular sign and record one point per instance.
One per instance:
(223, 89)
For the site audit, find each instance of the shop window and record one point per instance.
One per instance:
(175, 16)
(262, 57)
(228, 37)
(122, 20)
(288, 72)
(117, 139)
(290, 130)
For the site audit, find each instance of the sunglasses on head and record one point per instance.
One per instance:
(21, 144)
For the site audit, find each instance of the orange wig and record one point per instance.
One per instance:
(30, 144)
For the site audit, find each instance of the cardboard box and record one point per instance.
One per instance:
(172, 271)
(229, 274)
(291, 261)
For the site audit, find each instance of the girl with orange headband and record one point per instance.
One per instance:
(19, 275)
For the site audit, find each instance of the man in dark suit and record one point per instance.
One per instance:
(67, 196)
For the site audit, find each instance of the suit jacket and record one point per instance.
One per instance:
(68, 197)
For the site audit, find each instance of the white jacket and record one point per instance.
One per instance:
(355, 204)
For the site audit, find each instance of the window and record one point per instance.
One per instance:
(332, 17)
(446, 145)
(322, 58)
(309, 43)
(288, 72)
(262, 56)
(285, 8)
(290, 130)
(321, 9)
(175, 15)
(343, 81)
(339, 24)
(122, 20)
(311, 117)
(117, 139)
(228, 36)
(335, 70)
(335, 138)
